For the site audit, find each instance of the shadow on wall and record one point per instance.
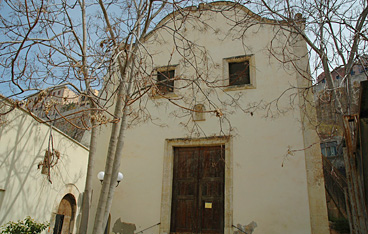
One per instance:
(16, 162)
(26, 190)
(123, 228)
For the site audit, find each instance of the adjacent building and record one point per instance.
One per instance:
(64, 109)
(330, 126)
(42, 171)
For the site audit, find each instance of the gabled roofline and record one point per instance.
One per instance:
(207, 7)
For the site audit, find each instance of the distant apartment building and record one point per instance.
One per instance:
(40, 104)
(327, 111)
(330, 128)
(64, 108)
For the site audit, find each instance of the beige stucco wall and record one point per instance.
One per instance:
(27, 192)
(267, 182)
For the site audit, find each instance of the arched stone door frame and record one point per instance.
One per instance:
(65, 216)
(73, 191)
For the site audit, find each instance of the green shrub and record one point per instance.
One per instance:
(26, 226)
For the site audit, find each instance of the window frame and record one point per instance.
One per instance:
(161, 70)
(252, 72)
(329, 149)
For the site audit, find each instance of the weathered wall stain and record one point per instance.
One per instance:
(123, 228)
(247, 229)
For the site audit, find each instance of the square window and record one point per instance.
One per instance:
(329, 149)
(239, 73)
(165, 80)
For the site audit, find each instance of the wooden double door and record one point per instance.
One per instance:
(198, 190)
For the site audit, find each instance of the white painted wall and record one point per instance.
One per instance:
(27, 192)
(269, 186)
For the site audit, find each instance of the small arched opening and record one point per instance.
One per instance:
(64, 220)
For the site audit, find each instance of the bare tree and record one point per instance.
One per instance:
(89, 45)
(86, 46)
(44, 45)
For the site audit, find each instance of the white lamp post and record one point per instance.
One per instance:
(101, 176)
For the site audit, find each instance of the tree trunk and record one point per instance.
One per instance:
(93, 141)
(99, 219)
(88, 187)
(119, 149)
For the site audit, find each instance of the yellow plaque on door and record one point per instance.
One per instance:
(208, 205)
